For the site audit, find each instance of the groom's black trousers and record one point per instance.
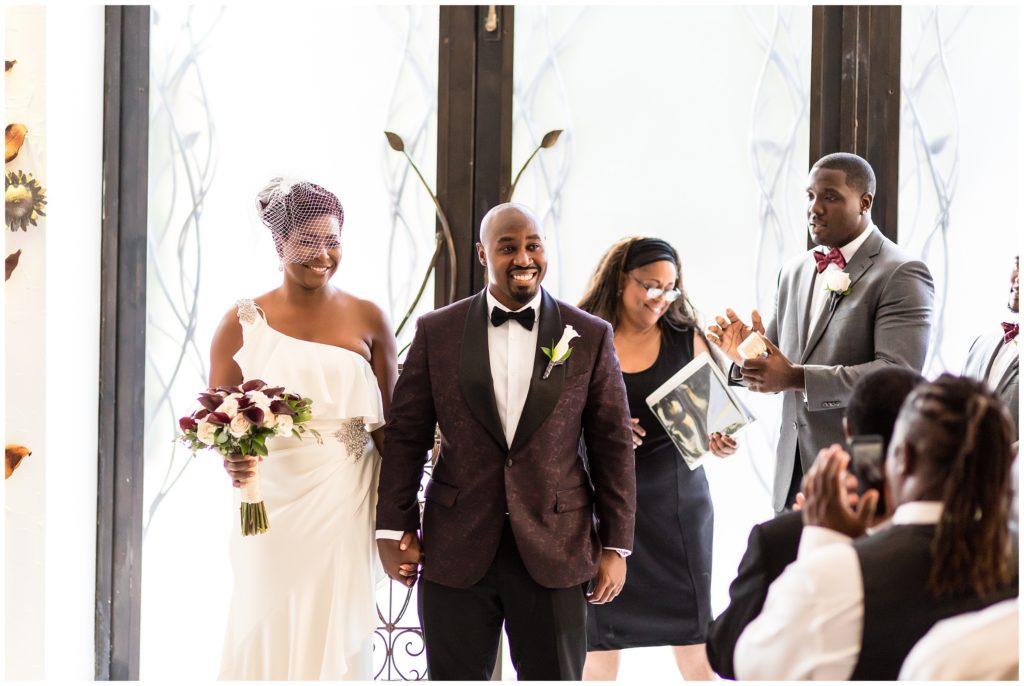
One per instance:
(546, 627)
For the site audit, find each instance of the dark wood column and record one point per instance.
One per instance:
(122, 341)
(474, 130)
(855, 94)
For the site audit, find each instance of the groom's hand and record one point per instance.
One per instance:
(611, 575)
(401, 559)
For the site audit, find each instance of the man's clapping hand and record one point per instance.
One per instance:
(401, 559)
(731, 331)
(826, 500)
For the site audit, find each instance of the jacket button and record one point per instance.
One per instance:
(508, 462)
(796, 425)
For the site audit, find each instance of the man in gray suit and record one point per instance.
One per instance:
(855, 305)
(994, 357)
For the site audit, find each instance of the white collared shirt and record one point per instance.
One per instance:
(511, 350)
(819, 295)
(813, 616)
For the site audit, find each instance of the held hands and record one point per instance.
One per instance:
(241, 468)
(732, 331)
(772, 373)
(401, 559)
(827, 500)
(611, 575)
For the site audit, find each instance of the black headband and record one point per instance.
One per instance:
(647, 250)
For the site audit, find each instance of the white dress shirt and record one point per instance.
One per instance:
(975, 646)
(511, 349)
(813, 616)
(819, 296)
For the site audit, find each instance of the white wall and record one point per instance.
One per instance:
(25, 358)
(52, 344)
(74, 98)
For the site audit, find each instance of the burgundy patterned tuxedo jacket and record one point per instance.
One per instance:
(541, 480)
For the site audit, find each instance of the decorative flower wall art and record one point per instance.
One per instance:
(24, 200)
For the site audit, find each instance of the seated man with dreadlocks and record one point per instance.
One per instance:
(854, 611)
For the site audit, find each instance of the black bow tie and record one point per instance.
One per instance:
(526, 317)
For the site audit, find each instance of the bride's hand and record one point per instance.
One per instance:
(241, 468)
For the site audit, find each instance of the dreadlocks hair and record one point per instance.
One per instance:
(602, 296)
(965, 432)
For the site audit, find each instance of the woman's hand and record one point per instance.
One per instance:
(638, 432)
(241, 468)
(721, 445)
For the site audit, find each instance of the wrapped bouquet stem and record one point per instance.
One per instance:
(253, 511)
(238, 420)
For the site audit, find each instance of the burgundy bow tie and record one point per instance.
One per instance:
(1010, 331)
(822, 259)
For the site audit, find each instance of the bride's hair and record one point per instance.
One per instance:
(285, 204)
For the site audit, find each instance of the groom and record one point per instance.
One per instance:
(518, 519)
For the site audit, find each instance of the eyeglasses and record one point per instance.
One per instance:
(654, 292)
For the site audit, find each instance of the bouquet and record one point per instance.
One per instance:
(238, 420)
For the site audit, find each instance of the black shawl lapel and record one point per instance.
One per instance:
(475, 380)
(856, 268)
(544, 393)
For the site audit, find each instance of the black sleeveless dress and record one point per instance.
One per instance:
(667, 596)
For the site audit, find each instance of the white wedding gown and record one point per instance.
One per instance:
(303, 601)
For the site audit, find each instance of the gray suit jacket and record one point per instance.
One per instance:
(885, 320)
(979, 361)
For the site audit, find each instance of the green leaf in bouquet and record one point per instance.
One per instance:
(317, 436)
(222, 437)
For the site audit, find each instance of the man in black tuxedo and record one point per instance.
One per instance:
(772, 546)
(508, 530)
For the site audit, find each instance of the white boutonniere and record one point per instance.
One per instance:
(559, 352)
(837, 283)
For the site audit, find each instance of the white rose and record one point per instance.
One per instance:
(205, 432)
(562, 348)
(229, 406)
(259, 398)
(269, 419)
(239, 426)
(836, 279)
(285, 424)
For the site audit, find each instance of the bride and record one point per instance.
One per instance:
(303, 600)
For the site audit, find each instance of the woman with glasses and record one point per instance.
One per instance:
(666, 599)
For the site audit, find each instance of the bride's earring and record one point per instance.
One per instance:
(280, 265)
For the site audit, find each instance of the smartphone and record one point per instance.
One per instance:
(867, 458)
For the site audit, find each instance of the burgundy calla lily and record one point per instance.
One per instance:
(209, 401)
(253, 385)
(187, 424)
(253, 414)
(273, 392)
(281, 407)
(219, 418)
(200, 414)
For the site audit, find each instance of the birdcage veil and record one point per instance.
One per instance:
(298, 212)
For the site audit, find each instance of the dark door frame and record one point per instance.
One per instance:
(854, 107)
(122, 342)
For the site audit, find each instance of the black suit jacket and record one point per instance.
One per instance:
(771, 547)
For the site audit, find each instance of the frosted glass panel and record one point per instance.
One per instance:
(690, 124)
(239, 95)
(960, 165)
